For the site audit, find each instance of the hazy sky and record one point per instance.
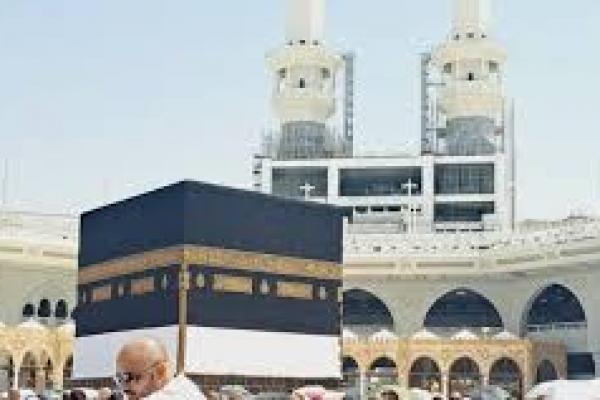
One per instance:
(104, 99)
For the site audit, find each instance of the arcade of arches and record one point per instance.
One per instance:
(463, 344)
(35, 356)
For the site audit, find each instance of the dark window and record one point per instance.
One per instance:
(464, 179)
(471, 76)
(464, 377)
(45, 310)
(282, 73)
(580, 366)
(325, 73)
(302, 83)
(462, 212)
(302, 42)
(463, 308)
(349, 365)
(379, 181)
(448, 68)
(377, 209)
(493, 67)
(471, 35)
(456, 37)
(299, 182)
(28, 310)
(425, 374)
(361, 210)
(363, 308)
(394, 208)
(546, 372)
(505, 373)
(555, 304)
(62, 310)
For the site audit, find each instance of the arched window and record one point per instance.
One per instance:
(425, 374)
(27, 371)
(383, 370)
(463, 308)
(554, 305)
(506, 374)
(464, 377)
(62, 310)
(546, 372)
(349, 365)
(28, 310)
(364, 309)
(44, 311)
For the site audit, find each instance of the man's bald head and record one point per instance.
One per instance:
(145, 364)
(145, 350)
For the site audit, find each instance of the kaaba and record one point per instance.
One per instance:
(242, 287)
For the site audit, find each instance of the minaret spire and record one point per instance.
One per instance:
(304, 72)
(471, 17)
(305, 20)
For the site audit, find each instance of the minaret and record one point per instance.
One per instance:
(471, 65)
(304, 72)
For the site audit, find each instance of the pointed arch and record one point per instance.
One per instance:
(362, 308)
(463, 308)
(555, 304)
(505, 373)
(425, 374)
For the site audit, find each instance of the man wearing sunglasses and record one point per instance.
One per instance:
(143, 373)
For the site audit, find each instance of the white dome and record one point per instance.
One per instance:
(505, 335)
(465, 334)
(425, 334)
(32, 324)
(383, 335)
(348, 334)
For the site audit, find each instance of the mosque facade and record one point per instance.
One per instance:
(38, 270)
(443, 290)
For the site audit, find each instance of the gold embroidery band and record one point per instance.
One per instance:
(232, 284)
(102, 293)
(142, 286)
(224, 258)
(294, 290)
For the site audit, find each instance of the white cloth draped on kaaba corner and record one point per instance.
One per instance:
(219, 351)
(180, 388)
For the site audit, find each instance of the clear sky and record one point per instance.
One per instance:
(104, 99)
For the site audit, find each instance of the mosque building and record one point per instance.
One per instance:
(443, 291)
(38, 271)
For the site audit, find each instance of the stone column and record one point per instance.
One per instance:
(333, 184)
(445, 384)
(58, 378)
(15, 382)
(362, 385)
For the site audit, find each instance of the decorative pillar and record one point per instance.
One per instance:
(362, 384)
(16, 369)
(57, 377)
(445, 385)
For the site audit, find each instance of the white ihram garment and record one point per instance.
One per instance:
(180, 388)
